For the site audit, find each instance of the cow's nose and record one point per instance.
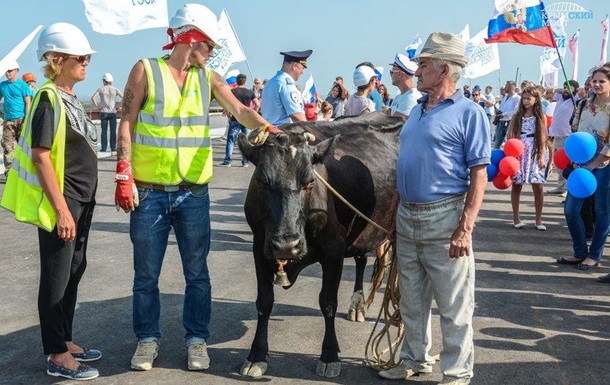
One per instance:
(286, 247)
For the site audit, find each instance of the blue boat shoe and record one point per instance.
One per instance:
(83, 372)
(87, 355)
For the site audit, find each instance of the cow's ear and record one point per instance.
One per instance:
(324, 149)
(248, 151)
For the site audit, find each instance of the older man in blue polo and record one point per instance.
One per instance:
(444, 151)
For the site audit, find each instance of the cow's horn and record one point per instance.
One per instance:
(309, 137)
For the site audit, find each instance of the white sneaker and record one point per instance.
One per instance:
(145, 354)
(198, 357)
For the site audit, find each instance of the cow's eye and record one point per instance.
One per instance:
(308, 185)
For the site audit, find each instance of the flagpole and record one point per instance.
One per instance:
(239, 42)
(563, 69)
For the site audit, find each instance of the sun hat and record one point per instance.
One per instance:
(404, 63)
(444, 46)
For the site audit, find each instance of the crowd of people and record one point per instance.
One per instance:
(53, 181)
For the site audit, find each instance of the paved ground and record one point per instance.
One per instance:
(536, 322)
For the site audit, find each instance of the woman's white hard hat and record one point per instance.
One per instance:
(63, 38)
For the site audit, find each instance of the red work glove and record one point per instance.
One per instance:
(126, 193)
(258, 136)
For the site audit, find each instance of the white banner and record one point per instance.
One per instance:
(483, 58)
(230, 52)
(17, 51)
(122, 17)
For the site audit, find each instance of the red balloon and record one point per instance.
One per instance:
(549, 121)
(560, 159)
(502, 182)
(509, 166)
(513, 147)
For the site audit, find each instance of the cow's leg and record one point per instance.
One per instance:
(356, 308)
(256, 364)
(329, 364)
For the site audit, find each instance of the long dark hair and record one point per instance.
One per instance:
(540, 136)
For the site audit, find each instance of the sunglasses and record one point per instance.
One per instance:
(82, 58)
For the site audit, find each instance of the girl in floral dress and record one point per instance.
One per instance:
(529, 126)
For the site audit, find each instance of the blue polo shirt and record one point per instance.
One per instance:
(438, 147)
(14, 94)
(281, 98)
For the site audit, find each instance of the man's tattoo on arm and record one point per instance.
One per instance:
(127, 100)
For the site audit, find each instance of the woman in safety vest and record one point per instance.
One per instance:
(52, 185)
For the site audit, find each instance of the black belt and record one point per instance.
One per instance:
(528, 135)
(167, 188)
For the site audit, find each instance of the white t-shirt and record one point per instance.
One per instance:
(357, 104)
(490, 98)
(107, 101)
(404, 103)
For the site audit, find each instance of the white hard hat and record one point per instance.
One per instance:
(108, 77)
(12, 65)
(63, 38)
(363, 75)
(200, 17)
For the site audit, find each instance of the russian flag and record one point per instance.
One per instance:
(232, 78)
(310, 95)
(520, 21)
(411, 48)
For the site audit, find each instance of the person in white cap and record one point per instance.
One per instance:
(17, 97)
(358, 103)
(441, 176)
(52, 185)
(165, 155)
(106, 104)
(402, 73)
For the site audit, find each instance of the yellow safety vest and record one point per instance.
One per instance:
(171, 141)
(23, 193)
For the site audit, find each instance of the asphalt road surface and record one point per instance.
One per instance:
(535, 322)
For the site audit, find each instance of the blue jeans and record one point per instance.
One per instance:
(576, 225)
(234, 128)
(501, 129)
(188, 213)
(108, 118)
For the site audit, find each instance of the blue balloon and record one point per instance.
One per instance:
(581, 183)
(581, 147)
(492, 171)
(496, 156)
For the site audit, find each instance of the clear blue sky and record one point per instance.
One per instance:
(342, 33)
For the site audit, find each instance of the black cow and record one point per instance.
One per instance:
(296, 221)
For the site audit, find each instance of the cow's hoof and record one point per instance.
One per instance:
(253, 369)
(355, 315)
(359, 316)
(329, 370)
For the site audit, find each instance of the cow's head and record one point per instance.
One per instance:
(283, 181)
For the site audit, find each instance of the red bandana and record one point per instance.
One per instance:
(190, 36)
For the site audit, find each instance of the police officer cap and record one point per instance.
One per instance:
(297, 56)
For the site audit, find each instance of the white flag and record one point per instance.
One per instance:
(17, 51)
(122, 17)
(465, 33)
(549, 61)
(483, 58)
(230, 52)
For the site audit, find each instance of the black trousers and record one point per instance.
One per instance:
(61, 268)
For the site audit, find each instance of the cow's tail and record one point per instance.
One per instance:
(384, 259)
